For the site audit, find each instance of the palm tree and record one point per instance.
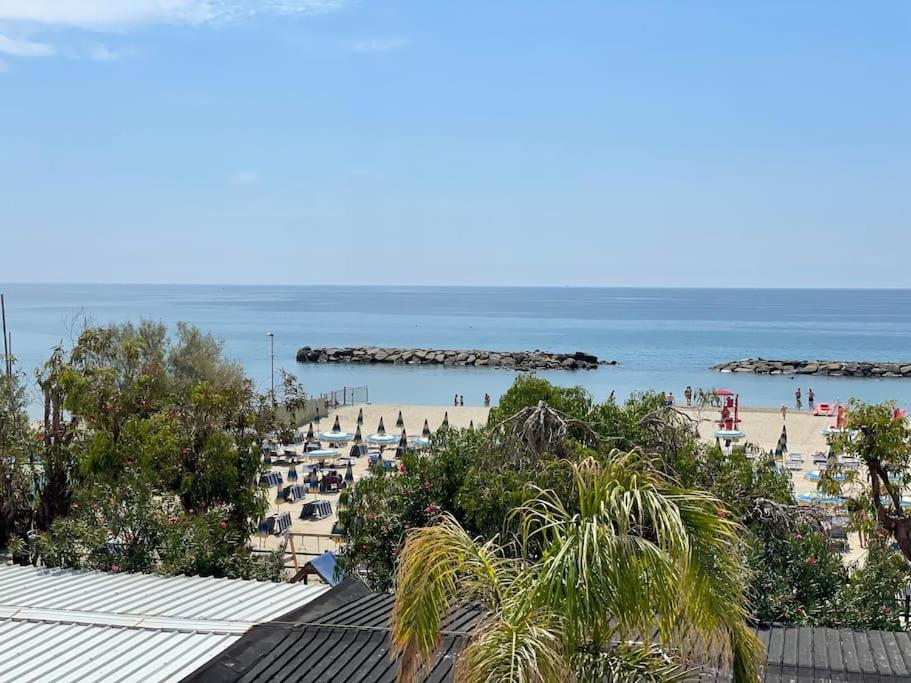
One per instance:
(570, 598)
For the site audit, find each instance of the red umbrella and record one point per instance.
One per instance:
(723, 392)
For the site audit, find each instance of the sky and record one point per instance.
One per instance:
(602, 142)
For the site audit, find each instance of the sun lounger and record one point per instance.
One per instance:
(316, 509)
(282, 523)
(273, 478)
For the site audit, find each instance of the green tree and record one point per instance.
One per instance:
(633, 552)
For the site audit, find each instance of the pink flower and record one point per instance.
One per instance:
(431, 509)
(115, 568)
(798, 536)
(810, 561)
(402, 468)
(427, 486)
(370, 516)
(223, 525)
(190, 511)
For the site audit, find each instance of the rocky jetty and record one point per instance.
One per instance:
(513, 360)
(830, 368)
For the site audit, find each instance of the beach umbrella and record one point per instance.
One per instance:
(336, 427)
(349, 473)
(445, 423)
(381, 438)
(381, 428)
(403, 441)
(471, 425)
(426, 431)
(723, 392)
(357, 435)
(310, 436)
(279, 496)
(782, 446)
(263, 529)
(399, 423)
(360, 416)
(292, 475)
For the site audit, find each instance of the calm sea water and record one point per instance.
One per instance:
(663, 338)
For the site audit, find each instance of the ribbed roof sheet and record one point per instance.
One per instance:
(65, 625)
(181, 597)
(76, 653)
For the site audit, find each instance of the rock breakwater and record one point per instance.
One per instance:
(829, 368)
(512, 360)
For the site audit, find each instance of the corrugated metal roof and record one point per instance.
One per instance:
(76, 652)
(65, 625)
(180, 597)
(344, 636)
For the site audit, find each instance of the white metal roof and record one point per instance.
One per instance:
(65, 625)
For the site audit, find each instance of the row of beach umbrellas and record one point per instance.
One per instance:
(380, 437)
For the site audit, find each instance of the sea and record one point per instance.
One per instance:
(662, 339)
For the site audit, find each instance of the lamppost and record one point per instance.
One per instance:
(272, 360)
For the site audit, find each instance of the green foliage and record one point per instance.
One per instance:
(797, 574)
(738, 480)
(147, 459)
(631, 551)
(528, 390)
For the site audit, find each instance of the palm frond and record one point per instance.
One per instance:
(440, 566)
(521, 646)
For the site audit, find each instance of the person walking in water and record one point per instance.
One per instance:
(811, 398)
(461, 401)
(455, 401)
(797, 399)
(688, 395)
(487, 400)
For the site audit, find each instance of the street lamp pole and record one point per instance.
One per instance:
(272, 361)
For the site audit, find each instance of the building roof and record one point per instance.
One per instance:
(81, 626)
(344, 636)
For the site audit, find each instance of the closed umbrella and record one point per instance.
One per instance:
(445, 423)
(381, 438)
(782, 446)
(471, 425)
(399, 423)
(349, 473)
(403, 445)
(336, 427)
(360, 416)
(426, 431)
(357, 435)
(310, 436)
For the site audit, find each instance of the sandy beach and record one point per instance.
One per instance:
(761, 426)
(413, 417)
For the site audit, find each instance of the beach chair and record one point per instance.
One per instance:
(271, 479)
(282, 523)
(316, 510)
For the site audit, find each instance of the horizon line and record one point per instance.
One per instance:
(456, 286)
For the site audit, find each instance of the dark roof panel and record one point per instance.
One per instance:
(344, 636)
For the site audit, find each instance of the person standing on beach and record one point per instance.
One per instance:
(784, 412)
(811, 398)
(688, 395)
(462, 401)
(486, 400)
(797, 399)
(455, 401)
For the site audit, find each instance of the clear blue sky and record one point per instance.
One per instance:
(763, 143)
